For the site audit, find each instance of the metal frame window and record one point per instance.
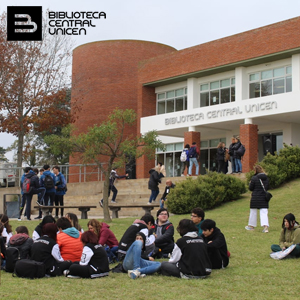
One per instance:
(171, 101)
(217, 92)
(270, 82)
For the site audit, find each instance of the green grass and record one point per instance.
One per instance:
(251, 273)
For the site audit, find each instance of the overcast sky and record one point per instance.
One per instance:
(177, 23)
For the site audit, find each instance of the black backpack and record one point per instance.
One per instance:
(12, 256)
(192, 152)
(241, 151)
(48, 182)
(28, 268)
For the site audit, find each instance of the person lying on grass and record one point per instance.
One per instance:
(136, 263)
(189, 258)
(290, 235)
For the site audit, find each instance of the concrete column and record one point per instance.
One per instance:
(189, 138)
(241, 84)
(193, 93)
(249, 138)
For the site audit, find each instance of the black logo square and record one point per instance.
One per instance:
(24, 23)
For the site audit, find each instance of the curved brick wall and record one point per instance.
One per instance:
(105, 76)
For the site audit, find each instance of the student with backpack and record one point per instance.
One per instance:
(185, 160)
(60, 190)
(19, 247)
(47, 180)
(193, 155)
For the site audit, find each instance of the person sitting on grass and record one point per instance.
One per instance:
(189, 258)
(136, 262)
(216, 244)
(197, 217)
(37, 233)
(74, 221)
(93, 263)
(290, 235)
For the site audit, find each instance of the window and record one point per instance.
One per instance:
(270, 82)
(171, 101)
(217, 92)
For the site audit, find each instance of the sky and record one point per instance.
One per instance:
(177, 23)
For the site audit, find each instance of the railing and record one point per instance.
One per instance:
(10, 177)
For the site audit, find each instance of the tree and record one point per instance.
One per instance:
(108, 146)
(2, 155)
(33, 79)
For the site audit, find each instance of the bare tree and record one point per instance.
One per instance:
(33, 77)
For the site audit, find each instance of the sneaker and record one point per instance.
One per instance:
(133, 274)
(38, 218)
(73, 276)
(142, 275)
(28, 219)
(101, 202)
(149, 203)
(249, 228)
(265, 230)
(19, 219)
(113, 201)
(66, 272)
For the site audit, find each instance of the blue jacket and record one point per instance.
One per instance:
(60, 183)
(42, 180)
(22, 180)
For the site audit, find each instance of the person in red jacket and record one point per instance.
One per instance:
(68, 240)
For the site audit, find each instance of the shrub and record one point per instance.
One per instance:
(282, 166)
(205, 191)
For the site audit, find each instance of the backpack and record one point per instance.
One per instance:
(183, 156)
(48, 182)
(26, 186)
(64, 188)
(241, 151)
(12, 256)
(28, 268)
(192, 152)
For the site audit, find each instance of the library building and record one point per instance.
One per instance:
(245, 85)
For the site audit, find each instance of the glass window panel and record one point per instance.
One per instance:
(225, 95)
(279, 72)
(161, 96)
(232, 81)
(266, 88)
(179, 92)
(185, 90)
(204, 99)
(223, 140)
(170, 94)
(178, 104)
(233, 94)
(253, 77)
(214, 85)
(169, 164)
(160, 107)
(214, 97)
(214, 143)
(278, 85)
(204, 87)
(169, 147)
(288, 84)
(225, 83)
(178, 146)
(266, 74)
(254, 90)
(203, 144)
(185, 103)
(289, 70)
(170, 106)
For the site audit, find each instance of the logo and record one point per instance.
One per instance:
(24, 23)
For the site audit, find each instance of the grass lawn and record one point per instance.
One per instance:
(251, 273)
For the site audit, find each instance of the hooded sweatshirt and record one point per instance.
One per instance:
(107, 237)
(70, 244)
(23, 242)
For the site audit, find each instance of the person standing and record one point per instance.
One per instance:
(193, 156)
(221, 150)
(47, 180)
(153, 183)
(231, 153)
(258, 184)
(237, 157)
(186, 162)
(60, 190)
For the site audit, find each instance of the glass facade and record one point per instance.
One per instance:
(171, 101)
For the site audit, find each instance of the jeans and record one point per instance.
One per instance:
(134, 261)
(154, 194)
(115, 192)
(193, 161)
(238, 165)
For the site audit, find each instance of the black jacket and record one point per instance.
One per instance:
(258, 194)
(221, 154)
(154, 180)
(167, 191)
(235, 147)
(34, 182)
(217, 249)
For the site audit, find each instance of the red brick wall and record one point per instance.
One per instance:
(259, 42)
(105, 77)
(249, 138)
(189, 138)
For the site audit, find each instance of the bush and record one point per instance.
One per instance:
(205, 191)
(282, 166)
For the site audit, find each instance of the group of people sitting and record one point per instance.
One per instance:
(65, 249)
